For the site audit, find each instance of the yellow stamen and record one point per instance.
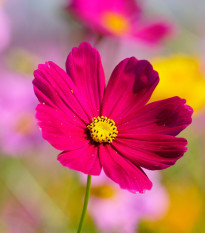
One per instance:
(102, 129)
(116, 23)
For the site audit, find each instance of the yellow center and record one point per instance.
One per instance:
(102, 129)
(115, 23)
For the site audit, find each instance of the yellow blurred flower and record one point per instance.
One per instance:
(180, 75)
(186, 209)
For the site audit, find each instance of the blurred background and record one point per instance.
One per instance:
(37, 194)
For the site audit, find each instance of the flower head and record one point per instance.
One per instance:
(120, 18)
(75, 103)
(121, 211)
(18, 133)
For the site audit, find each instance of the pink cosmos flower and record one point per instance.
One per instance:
(110, 128)
(121, 211)
(18, 134)
(20, 219)
(121, 18)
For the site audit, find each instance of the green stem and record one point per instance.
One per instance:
(87, 194)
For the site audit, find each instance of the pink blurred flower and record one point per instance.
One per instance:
(18, 133)
(121, 18)
(109, 128)
(114, 209)
(20, 219)
(4, 29)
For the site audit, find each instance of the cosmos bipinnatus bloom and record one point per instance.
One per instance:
(119, 18)
(109, 127)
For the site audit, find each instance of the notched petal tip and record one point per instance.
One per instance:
(149, 78)
(130, 87)
(145, 187)
(84, 46)
(122, 171)
(184, 108)
(84, 67)
(42, 68)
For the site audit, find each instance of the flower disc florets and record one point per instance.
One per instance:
(102, 129)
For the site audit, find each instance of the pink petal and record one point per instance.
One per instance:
(64, 131)
(91, 11)
(130, 87)
(169, 116)
(53, 87)
(122, 171)
(151, 151)
(152, 33)
(85, 69)
(84, 159)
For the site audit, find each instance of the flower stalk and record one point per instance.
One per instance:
(87, 194)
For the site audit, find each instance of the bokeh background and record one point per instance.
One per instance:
(37, 194)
